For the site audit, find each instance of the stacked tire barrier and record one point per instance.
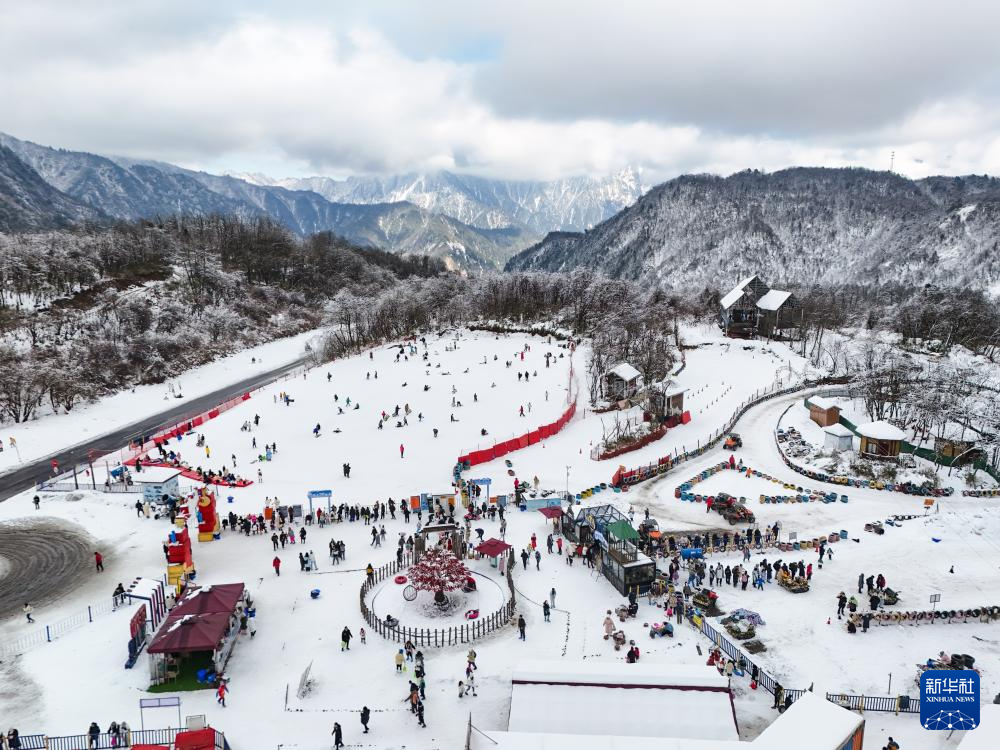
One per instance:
(802, 494)
(907, 488)
(667, 463)
(984, 614)
(981, 493)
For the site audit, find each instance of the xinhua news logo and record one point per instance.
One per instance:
(949, 699)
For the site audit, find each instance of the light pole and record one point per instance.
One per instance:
(567, 482)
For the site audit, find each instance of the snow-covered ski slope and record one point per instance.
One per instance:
(78, 678)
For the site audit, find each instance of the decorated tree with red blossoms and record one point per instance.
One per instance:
(439, 571)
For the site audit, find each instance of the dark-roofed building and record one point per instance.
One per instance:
(622, 382)
(752, 308)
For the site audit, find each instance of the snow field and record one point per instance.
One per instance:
(78, 678)
(43, 436)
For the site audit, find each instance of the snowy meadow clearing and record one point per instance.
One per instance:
(78, 678)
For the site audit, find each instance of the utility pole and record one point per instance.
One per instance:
(892, 160)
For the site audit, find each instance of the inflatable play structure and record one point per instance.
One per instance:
(209, 527)
(180, 564)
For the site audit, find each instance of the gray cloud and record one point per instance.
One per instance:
(518, 90)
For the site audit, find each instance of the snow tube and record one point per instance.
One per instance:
(920, 616)
(400, 579)
(472, 614)
(314, 593)
(995, 612)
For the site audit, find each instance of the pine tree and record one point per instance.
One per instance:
(438, 570)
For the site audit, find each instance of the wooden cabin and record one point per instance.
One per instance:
(752, 308)
(664, 400)
(777, 312)
(738, 312)
(823, 411)
(956, 448)
(880, 439)
(622, 382)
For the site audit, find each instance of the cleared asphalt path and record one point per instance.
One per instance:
(29, 474)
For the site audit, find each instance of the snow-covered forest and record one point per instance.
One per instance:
(87, 312)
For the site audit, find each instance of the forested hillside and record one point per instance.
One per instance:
(829, 226)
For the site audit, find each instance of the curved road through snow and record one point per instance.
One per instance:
(29, 474)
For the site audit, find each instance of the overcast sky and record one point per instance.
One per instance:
(514, 89)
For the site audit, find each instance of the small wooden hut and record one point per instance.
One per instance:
(823, 411)
(622, 382)
(880, 439)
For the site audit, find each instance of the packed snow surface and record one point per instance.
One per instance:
(79, 676)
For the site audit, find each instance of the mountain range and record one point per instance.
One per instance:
(572, 204)
(471, 222)
(799, 225)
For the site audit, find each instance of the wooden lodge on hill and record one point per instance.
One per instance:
(622, 382)
(753, 309)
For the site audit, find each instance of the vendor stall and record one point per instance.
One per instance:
(195, 642)
(495, 550)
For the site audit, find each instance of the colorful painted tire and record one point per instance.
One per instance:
(400, 579)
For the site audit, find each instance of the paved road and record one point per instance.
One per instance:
(31, 473)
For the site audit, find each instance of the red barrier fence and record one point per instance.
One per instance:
(183, 427)
(509, 446)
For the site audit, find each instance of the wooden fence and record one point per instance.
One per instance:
(433, 637)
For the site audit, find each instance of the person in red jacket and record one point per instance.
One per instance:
(276, 562)
(400, 450)
(99, 562)
(708, 504)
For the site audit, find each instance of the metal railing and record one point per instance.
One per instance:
(430, 637)
(895, 704)
(49, 632)
(106, 740)
(900, 704)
